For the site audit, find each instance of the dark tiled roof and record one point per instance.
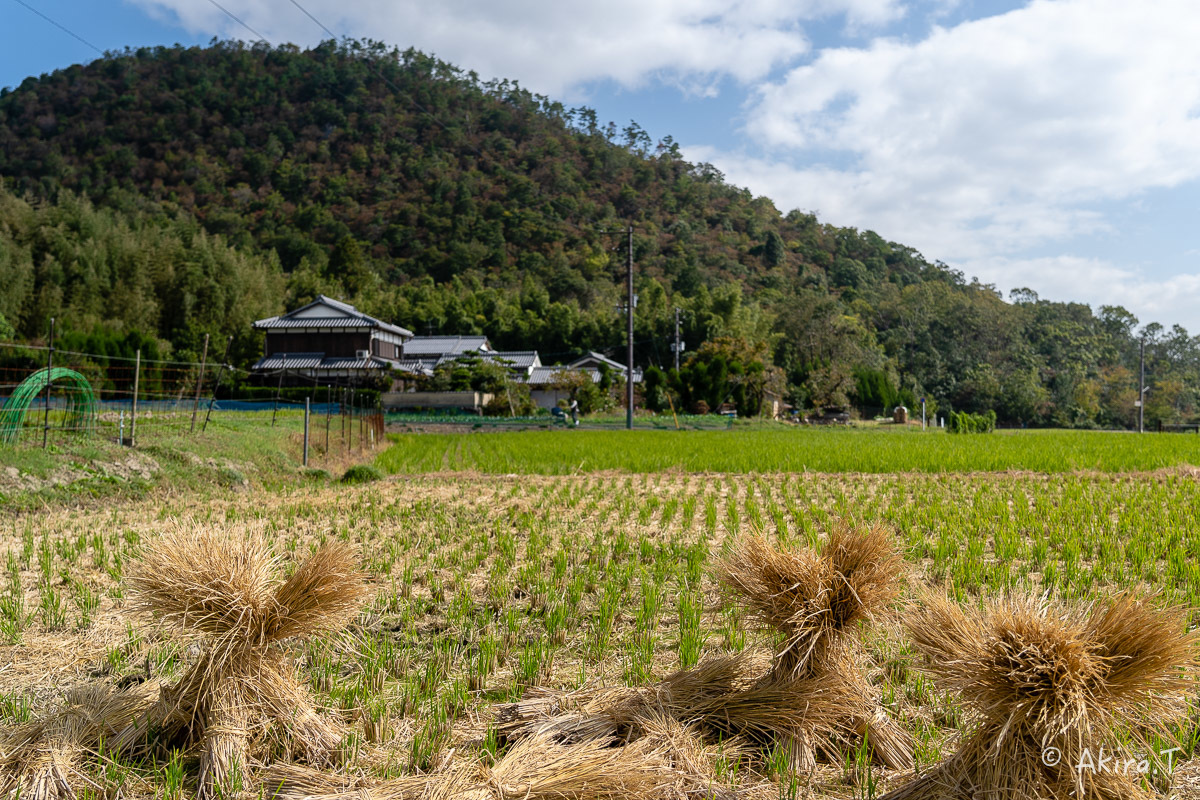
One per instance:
(274, 323)
(343, 315)
(318, 361)
(289, 361)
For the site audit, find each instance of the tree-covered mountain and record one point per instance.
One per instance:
(178, 191)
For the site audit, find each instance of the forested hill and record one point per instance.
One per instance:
(178, 191)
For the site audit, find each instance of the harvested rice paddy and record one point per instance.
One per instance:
(485, 589)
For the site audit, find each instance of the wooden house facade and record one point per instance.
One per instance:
(328, 341)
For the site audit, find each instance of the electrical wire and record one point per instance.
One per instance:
(59, 25)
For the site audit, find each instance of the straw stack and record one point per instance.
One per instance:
(818, 601)
(242, 697)
(43, 759)
(1051, 685)
(537, 768)
(809, 694)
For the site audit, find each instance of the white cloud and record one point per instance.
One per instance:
(841, 198)
(1174, 299)
(945, 221)
(553, 46)
(991, 137)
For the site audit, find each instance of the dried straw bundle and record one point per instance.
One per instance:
(723, 697)
(692, 758)
(815, 599)
(618, 713)
(1051, 685)
(537, 768)
(810, 694)
(41, 759)
(818, 600)
(242, 697)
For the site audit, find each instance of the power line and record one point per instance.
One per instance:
(239, 21)
(17, 346)
(60, 26)
(314, 19)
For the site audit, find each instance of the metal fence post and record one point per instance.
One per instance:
(49, 369)
(220, 372)
(307, 409)
(137, 374)
(199, 381)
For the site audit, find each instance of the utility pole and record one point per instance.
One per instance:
(678, 347)
(629, 319)
(1142, 388)
(630, 301)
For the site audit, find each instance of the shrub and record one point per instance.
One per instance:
(231, 478)
(361, 473)
(963, 422)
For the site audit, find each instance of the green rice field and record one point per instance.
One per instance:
(787, 449)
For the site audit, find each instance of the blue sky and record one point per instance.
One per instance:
(1052, 144)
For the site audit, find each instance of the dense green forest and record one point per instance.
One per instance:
(173, 192)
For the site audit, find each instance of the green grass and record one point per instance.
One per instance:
(786, 449)
(236, 451)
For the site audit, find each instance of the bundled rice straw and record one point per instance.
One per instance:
(694, 758)
(810, 694)
(242, 687)
(40, 760)
(724, 695)
(815, 599)
(818, 600)
(537, 768)
(1051, 685)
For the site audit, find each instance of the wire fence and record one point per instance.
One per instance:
(137, 401)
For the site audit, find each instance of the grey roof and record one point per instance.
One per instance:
(542, 376)
(599, 358)
(420, 346)
(325, 312)
(592, 355)
(517, 359)
(318, 361)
